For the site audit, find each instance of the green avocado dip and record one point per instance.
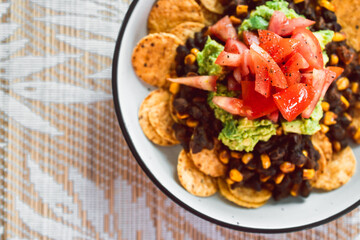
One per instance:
(240, 134)
(324, 37)
(305, 126)
(259, 18)
(207, 57)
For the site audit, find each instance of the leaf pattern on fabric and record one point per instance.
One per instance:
(3, 9)
(10, 48)
(24, 116)
(52, 92)
(105, 74)
(24, 66)
(7, 29)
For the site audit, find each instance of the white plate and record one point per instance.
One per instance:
(160, 163)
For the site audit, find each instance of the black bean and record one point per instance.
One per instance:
(200, 140)
(190, 43)
(199, 40)
(183, 134)
(297, 176)
(277, 155)
(182, 51)
(268, 172)
(297, 157)
(305, 189)
(329, 16)
(181, 105)
(254, 183)
(195, 112)
(180, 70)
(310, 13)
(190, 68)
(247, 174)
(337, 132)
(336, 27)
(343, 121)
(344, 143)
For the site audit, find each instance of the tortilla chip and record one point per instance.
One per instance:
(154, 98)
(225, 191)
(194, 181)
(251, 195)
(210, 17)
(213, 6)
(322, 141)
(161, 120)
(187, 30)
(349, 20)
(208, 162)
(153, 58)
(167, 14)
(338, 172)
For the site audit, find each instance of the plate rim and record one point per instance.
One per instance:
(154, 179)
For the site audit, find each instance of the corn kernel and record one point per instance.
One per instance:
(334, 59)
(229, 181)
(355, 87)
(330, 118)
(279, 178)
(324, 128)
(308, 174)
(342, 83)
(190, 59)
(241, 9)
(195, 51)
(357, 136)
(337, 146)
(236, 155)
(235, 175)
(325, 106)
(326, 4)
(234, 20)
(305, 153)
(348, 117)
(298, 1)
(182, 116)
(287, 167)
(191, 123)
(224, 157)
(265, 161)
(247, 158)
(357, 105)
(339, 37)
(279, 131)
(264, 178)
(345, 102)
(174, 88)
(295, 190)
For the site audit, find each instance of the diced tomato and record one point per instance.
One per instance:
(234, 46)
(329, 78)
(229, 59)
(224, 29)
(276, 75)
(245, 67)
(294, 100)
(292, 67)
(318, 82)
(283, 26)
(234, 106)
(309, 47)
(337, 70)
(207, 83)
(258, 104)
(250, 38)
(232, 84)
(274, 116)
(306, 78)
(278, 48)
(262, 78)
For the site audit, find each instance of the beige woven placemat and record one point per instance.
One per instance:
(65, 169)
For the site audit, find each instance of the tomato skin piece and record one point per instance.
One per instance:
(250, 38)
(329, 79)
(229, 59)
(318, 82)
(309, 47)
(276, 75)
(283, 26)
(234, 106)
(207, 83)
(262, 78)
(277, 47)
(337, 70)
(292, 67)
(237, 74)
(235, 46)
(232, 84)
(258, 104)
(224, 29)
(294, 100)
(274, 116)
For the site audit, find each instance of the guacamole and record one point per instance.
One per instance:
(305, 126)
(259, 19)
(244, 134)
(207, 57)
(324, 37)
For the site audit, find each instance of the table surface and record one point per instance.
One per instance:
(66, 171)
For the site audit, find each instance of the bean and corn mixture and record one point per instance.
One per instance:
(286, 163)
